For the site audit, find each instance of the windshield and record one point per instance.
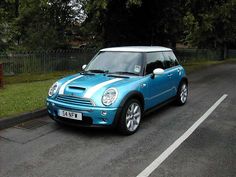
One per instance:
(117, 63)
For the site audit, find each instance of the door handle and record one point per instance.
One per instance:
(169, 75)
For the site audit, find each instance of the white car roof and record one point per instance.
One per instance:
(136, 49)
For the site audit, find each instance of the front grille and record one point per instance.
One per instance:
(74, 100)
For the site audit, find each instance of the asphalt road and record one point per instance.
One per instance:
(42, 148)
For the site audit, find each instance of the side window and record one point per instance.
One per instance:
(154, 60)
(170, 59)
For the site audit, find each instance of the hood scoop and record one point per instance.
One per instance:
(76, 87)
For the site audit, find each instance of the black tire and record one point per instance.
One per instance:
(182, 93)
(123, 121)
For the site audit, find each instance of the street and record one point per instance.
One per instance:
(43, 148)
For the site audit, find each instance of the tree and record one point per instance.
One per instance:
(129, 22)
(35, 25)
(45, 24)
(6, 17)
(211, 23)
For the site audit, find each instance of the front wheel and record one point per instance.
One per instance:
(130, 118)
(182, 94)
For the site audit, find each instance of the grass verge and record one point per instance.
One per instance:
(23, 97)
(197, 65)
(191, 66)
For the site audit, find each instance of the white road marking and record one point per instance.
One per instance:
(95, 88)
(155, 164)
(61, 91)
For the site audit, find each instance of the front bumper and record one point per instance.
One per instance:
(92, 115)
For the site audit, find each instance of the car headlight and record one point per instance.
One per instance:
(53, 89)
(109, 96)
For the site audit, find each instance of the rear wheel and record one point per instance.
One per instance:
(182, 94)
(130, 118)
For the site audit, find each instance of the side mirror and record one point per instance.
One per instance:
(158, 71)
(83, 67)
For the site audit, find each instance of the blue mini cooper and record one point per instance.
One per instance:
(118, 87)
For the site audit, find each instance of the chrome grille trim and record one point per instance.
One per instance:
(75, 100)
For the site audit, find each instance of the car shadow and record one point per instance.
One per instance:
(153, 114)
(109, 131)
(90, 131)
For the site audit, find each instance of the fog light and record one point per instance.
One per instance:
(103, 113)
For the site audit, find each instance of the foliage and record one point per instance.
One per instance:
(135, 22)
(210, 23)
(5, 14)
(202, 24)
(50, 24)
(41, 24)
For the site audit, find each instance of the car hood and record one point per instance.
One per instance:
(87, 85)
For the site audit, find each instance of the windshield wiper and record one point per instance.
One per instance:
(86, 73)
(98, 71)
(124, 72)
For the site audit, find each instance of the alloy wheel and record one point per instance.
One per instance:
(133, 117)
(184, 93)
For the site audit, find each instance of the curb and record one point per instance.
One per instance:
(12, 121)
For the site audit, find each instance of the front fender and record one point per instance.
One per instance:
(126, 88)
(135, 95)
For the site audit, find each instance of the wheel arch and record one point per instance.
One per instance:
(184, 79)
(120, 120)
(133, 95)
(177, 97)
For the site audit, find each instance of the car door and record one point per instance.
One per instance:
(173, 70)
(159, 87)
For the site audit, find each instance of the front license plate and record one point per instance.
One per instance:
(70, 115)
